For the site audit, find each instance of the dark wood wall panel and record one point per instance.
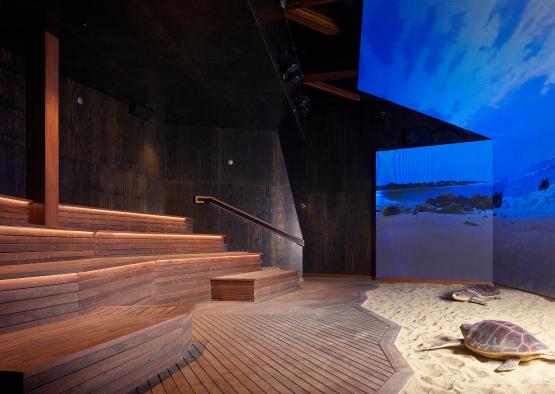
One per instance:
(12, 124)
(256, 182)
(334, 177)
(109, 158)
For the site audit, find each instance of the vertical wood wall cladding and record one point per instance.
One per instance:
(335, 177)
(257, 182)
(12, 124)
(112, 159)
(109, 158)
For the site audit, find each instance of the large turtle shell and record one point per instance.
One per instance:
(482, 290)
(501, 337)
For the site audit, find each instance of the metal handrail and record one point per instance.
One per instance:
(238, 212)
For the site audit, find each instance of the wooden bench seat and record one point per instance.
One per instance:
(37, 293)
(110, 350)
(15, 211)
(253, 286)
(87, 218)
(22, 245)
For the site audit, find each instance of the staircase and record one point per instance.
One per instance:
(105, 302)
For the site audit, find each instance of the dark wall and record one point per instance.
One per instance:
(12, 125)
(108, 157)
(337, 219)
(335, 179)
(112, 159)
(257, 182)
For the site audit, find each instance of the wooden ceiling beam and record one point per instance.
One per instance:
(326, 87)
(331, 76)
(313, 20)
(307, 3)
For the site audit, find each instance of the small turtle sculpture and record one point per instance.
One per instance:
(500, 340)
(478, 294)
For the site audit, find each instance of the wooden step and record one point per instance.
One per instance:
(109, 350)
(253, 286)
(87, 218)
(14, 211)
(24, 244)
(38, 293)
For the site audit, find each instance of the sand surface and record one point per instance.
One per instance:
(417, 246)
(425, 318)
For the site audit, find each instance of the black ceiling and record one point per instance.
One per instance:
(195, 62)
(322, 53)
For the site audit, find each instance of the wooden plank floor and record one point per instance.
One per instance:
(315, 340)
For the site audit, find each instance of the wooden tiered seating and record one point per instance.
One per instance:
(22, 245)
(35, 293)
(106, 304)
(112, 349)
(253, 286)
(14, 211)
(85, 218)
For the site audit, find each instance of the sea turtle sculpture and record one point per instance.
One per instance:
(478, 294)
(500, 340)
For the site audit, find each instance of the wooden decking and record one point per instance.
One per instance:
(314, 340)
(109, 350)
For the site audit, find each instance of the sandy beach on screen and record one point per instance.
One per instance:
(425, 318)
(434, 246)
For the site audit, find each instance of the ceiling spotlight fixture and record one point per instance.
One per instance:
(302, 104)
(293, 73)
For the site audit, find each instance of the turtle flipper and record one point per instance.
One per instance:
(508, 365)
(456, 342)
(478, 300)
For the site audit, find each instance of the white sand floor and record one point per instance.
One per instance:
(425, 319)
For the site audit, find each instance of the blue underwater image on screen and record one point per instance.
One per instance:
(487, 66)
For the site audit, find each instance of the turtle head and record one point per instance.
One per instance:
(464, 328)
(461, 295)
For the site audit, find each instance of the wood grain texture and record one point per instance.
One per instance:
(38, 293)
(257, 182)
(108, 348)
(23, 245)
(14, 211)
(51, 129)
(313, 20)
(253, 286)
(334, 177)
(75, 217)
(315, 340)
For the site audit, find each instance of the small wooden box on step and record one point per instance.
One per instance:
(253, 286)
